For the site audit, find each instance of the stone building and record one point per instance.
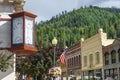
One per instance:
(112, 60)
(74, 61)
(8, 7)
(92, 56)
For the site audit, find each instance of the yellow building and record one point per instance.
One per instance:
(92, 56)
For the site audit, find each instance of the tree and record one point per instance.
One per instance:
(5, 60)
(83, 22)
(38, 65)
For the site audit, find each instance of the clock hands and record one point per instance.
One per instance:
(18, 39)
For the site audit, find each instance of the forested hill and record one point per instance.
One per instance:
(69, 27)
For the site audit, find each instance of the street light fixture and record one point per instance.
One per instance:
(54, 42)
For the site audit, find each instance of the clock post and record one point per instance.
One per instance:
(23, 32)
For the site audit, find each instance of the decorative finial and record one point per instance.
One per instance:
(100, 30)
(82, 39)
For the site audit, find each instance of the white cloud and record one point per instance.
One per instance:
(45, 9)
(110, 3)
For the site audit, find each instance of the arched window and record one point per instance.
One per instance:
(77, 60)
(97, 58)
(74, 62)
(113, 56)
(68, 62)
(91, 59)
(85, 60)
(119, 55)
(107, 58)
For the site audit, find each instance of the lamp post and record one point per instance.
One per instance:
(54, 42)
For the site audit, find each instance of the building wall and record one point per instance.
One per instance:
(92, 46)
(6, 8)
(8, 75)
(74, 61)
(5, 40)
(112, 69)
(5, 34)
(64, 72)
(92, 54)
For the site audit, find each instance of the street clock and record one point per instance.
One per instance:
(23, 31)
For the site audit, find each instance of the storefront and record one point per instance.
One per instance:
(111, 73)
(85, 75)
(98, 74)
(92, 75)
(119, 74)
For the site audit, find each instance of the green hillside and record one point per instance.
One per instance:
(69, 27)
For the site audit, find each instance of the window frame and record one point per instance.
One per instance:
(91, 59)
(107, 57)
(97, 57)
(113, 56)
(85, 60)
(119, 55)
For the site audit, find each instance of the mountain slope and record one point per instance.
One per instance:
(69, 27)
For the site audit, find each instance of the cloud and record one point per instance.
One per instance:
(88, 2)
(110, 3)
(45, 9)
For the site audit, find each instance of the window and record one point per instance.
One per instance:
(107, 58)
(72, 61)
(85, 60)
(97, 58)
(76, 60)
(119, 55)
(68, 62)
(91, 59)
(79, 60)
(113, 56)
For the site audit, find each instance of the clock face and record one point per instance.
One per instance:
(17, 30)
(29, 31)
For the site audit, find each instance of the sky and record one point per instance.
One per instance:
(46, 9)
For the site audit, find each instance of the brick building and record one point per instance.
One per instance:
(74, 61)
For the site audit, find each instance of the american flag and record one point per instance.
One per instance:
(63, 57)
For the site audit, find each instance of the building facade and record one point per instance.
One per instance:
(64, 71)
(92, 56)
(8, 7)
(112, 60)
(74, 61)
